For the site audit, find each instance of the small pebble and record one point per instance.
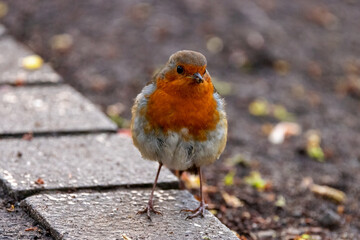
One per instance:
(330, 219)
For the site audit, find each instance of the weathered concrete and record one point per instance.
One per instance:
(11, 71)
(73, 162)
(112, 214)
(48, 109)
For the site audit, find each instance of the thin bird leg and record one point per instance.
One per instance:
(201, 209)
(150, 207)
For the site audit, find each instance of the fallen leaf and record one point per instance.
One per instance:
(11, 208)
(31, 229)
(259, 107)
(191, 181)
(32, 62)
(126, 237)
(280, 202)
(213, 211)
(316, 153)
(283, 130)
(313, 138)
(255, 180)
(329, 192)
(229, 178)
(232, 201)
(281, 113)
(340, 209)
(313, 148)
(303, 237)
(39, 181)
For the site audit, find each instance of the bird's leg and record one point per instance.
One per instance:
(150, 207)
(201, 209)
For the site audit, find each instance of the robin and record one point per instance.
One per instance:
(179, 120)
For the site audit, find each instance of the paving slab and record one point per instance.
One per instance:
(111, 215)
(76, 162)
(11, 70)
(48, 109)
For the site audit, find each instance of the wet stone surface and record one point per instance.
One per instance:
(48, 109)
(73, 162)
(113, 214)
(11, 70)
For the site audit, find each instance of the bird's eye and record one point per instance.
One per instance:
(180, 69)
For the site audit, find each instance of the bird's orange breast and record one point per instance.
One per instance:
(178, 105)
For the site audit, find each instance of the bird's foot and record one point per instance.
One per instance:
(196, 212)
(148, 209)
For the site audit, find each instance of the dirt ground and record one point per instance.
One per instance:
(296, 60)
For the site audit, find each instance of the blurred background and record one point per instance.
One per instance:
(290, 74)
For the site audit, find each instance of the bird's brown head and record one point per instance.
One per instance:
(185, 73)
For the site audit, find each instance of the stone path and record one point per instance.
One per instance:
(48, 109)
(11, 71)
(111, 214)
(90, 183)
(76, 162)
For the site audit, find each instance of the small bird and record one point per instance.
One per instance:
(179, 120)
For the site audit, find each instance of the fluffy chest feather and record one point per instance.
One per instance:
(168, 112)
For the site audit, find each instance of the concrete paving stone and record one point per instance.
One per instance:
(16, 224)
(11, 71)
(111, 215)
(76, 162)
(48, 109)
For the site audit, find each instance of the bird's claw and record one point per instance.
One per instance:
(200, 211)
(148, 209)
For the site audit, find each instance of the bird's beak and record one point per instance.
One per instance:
(198, 78)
